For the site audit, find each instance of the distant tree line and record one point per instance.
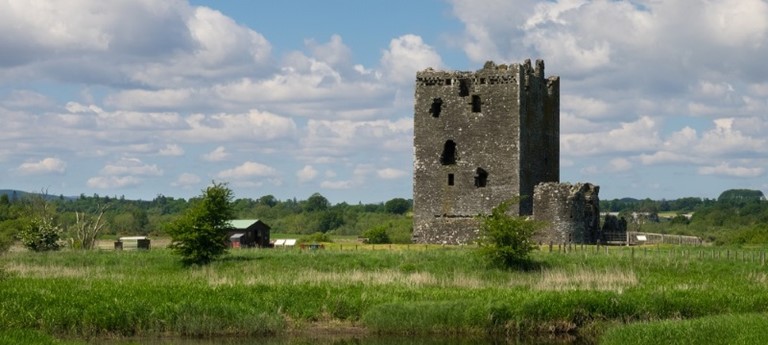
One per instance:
(119, 216)
(737, 216)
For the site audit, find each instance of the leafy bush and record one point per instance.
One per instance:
(505, 240)
(41, 234)
(377, 235)
(316, 238)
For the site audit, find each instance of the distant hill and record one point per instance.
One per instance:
(13, 194)
(18, 195)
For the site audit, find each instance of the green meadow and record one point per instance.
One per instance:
(595, 294)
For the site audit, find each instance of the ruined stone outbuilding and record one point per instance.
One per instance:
(481, 138)
(571, 213)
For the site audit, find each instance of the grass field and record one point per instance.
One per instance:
(377, 289)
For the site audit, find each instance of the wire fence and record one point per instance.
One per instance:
(663, 250)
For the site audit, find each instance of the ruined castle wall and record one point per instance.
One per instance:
(551, 130)
(570, 212)
(539, 131)
(468, 146)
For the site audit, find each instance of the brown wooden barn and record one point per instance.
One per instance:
(248, 233)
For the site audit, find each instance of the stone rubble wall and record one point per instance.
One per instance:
(570, 212)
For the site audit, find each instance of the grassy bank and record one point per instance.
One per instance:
(434, 290)
(714, 330)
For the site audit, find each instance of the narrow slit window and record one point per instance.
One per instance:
(450, 179)
(481, 178)
(449, 153)
(437, 106)
(476, 103)
(463, 87)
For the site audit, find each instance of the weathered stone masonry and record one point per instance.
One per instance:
(481, 138)
(571, 212)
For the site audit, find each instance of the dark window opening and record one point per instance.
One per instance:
(481, 179)
(448, 82)
(463, 87)
(449, 153)
(482, 81)
(475, 103)
(437, 106)
(450, 179)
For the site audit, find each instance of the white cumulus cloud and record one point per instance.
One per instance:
(406, 55)
(45, 166)
(186, 180)
(218, 154)
(131, 166)
(306, 174)
(390, 173)
(171, 150)
(248, 170)
(109, 182)
(725, 169)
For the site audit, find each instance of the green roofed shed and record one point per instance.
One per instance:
(253, 233)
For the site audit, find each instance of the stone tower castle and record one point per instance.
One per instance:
(481, 138)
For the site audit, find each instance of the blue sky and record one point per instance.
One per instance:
(140, 98)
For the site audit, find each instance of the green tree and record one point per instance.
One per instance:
(397, 206)
(330, 220)
(268, 200)
(317, 202)
(506, 240)
(200, 235)
(741, 196)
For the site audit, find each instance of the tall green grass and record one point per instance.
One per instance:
(434, 291)
(714, 330)
(31, 337)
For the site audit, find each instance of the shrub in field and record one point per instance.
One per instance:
(41, 234)
(316, 237)
(200, 235)
(506, 240)
(377, 235)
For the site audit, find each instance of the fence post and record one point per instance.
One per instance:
(550, 246)
(762, 258)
